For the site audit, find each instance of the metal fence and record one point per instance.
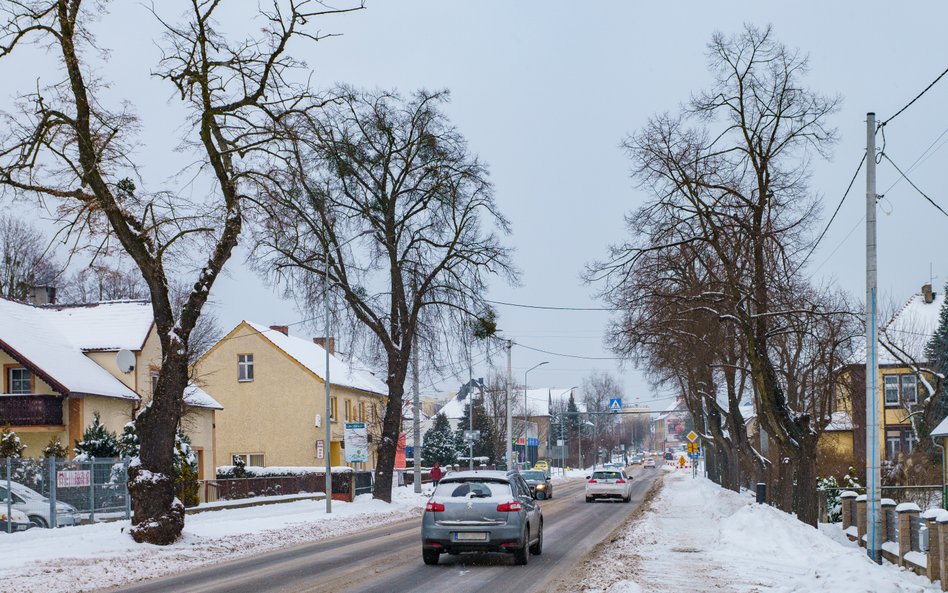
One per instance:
(891, 526)
(918, 530)
(925, 496)
(61, 492)
(363, 482)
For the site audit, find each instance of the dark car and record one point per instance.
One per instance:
(540, 485)
(482, 511)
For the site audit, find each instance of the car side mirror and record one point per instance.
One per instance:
(587, 477)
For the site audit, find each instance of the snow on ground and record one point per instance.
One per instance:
(699, 538)
(89, 557)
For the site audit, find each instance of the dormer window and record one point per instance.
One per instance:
(245, 367)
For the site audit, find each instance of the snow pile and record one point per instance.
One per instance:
(93, 557)
(699, 537)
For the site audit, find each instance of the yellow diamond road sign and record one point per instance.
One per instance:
(692, 436)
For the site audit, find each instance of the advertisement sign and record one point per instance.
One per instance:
(319, 450)
(73, 479)
(356, 440)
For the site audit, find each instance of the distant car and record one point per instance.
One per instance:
(36, 506)
(637, 459)
(540, 485)
(648, 462)
(17, 521)
(609, 484)
(542, 466)
(482, 511)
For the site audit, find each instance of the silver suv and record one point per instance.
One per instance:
(482, 511)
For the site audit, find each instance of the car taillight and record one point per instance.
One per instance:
(508, 507)
(620, 481)
(434, 507)
(593, 482)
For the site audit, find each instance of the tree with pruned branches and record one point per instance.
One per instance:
(73, 143)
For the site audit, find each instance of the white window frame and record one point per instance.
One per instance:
(893, 445)
(249, 458)
(244, 368)
(891, 387)
(903, 391)
(910, 442)
(11, 380)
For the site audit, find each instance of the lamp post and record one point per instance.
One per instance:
(526, 409)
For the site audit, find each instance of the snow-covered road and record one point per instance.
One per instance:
(701, 538)
(75, 559)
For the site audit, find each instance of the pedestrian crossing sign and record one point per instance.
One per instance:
(615, 404)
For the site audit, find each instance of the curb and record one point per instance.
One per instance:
(248, 504)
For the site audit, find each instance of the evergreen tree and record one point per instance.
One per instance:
(128, 442)
(97, 441)
(439, 443)
(936, 352)
(10, 444)
(55, 448)
(482, 446)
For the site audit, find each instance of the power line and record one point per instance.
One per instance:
(917, 97)
(918, 161)
(924, 195)
(579, 356)
(550, 307)
(835, 212)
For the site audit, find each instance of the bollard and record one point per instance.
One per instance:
(761, 493)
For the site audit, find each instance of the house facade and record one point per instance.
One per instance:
(272, 389)
(60, 369)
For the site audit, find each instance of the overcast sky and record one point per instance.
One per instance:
(544, 93)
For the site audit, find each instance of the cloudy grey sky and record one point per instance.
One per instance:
(545, 91)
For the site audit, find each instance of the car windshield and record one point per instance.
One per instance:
(607, 476)
(534, 475)
(472, 489)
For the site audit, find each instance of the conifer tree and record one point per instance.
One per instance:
(97, 441)
(439, 444)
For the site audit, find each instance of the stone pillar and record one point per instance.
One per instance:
(907, 512)
(934, 546)
(940, 534)
(847, 500)
(860, 519)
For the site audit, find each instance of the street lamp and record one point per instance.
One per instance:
(526, 410)
(562, 440)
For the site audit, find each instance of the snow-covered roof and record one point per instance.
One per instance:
(840, 422)
(109, 325)
(941, 430)
(313, 357)
(907, 333)
(197, 397)
(33, 336)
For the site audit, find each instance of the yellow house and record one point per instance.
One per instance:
(901, 382)
(272, 388)
(60, 368)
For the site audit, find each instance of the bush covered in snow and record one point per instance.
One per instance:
(227, 472)
(97, 441)
(55, 448)
(10, 444)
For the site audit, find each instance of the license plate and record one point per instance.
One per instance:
(470, 536)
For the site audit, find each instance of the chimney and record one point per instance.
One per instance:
(927, 293)
(322, 342)
(283, 329)
(42, 295)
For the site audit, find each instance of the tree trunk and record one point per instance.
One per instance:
(159, 516)
(391, 428)
(805, 495)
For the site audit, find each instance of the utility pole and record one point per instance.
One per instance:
(416, 419)
(873, 473)
(509, 406)
(327, 450)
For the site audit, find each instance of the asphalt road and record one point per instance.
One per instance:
(388, 559)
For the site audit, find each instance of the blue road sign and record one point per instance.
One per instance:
(615, 404)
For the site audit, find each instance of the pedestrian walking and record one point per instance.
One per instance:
(436, 474)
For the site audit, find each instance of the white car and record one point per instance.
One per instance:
(36, 506)
(609, 483)
(649, 462)
(19, 522)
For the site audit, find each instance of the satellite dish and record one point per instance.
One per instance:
(125, 361)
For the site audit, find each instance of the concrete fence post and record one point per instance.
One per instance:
(933, 570)
(860, 519)
(908, 512)
(847, 500)
(940, 533)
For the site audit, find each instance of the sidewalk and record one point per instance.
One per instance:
(697, 537)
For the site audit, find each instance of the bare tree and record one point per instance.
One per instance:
(384, 193)
(25, 259)
(104, 282)
(66, 144)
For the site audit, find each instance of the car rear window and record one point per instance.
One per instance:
(607, 475)
(473, 489)
(533, 475)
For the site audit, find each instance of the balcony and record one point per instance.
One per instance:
(31, 410)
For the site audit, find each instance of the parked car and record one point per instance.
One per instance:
(542, 466)
(648, 462)
(609, 484)
(482, 511)
(540, 485)
(36, 506)
(18, 520)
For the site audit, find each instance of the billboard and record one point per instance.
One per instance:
(356, 440)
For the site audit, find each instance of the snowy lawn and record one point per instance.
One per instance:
(698, 537)
(89, 557)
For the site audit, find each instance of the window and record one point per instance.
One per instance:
(245, 367)
(350, 415)
(891, 390)
(909, 389)
(361, 411)
(893, 444)
(333, 416)
(19, 381)
(254, 459)
(910, 441)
